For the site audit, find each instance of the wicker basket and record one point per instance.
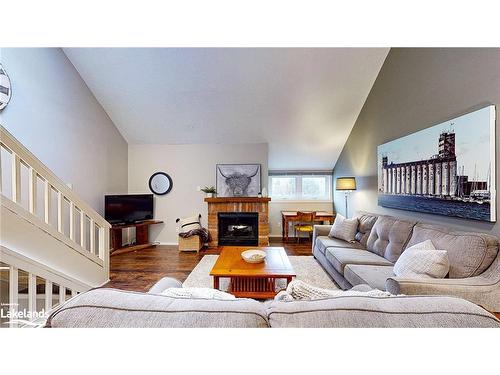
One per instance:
(192, 243)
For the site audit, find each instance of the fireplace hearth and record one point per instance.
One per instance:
(238, 228)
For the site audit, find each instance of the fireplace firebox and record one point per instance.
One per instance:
(238, 228)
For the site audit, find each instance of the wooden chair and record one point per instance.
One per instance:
(305, 223)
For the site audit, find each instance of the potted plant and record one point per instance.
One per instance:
(209, 191)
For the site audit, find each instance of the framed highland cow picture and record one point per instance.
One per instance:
(446, 169)
(238, 180)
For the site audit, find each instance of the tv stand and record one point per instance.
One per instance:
(141, 237)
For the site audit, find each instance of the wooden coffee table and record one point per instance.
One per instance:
(251, 280)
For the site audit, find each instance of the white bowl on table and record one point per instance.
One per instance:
(253, 256)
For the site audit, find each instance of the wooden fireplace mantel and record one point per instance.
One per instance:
(237, 200)
(238, 204)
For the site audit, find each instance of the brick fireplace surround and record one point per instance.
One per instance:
(239, 204)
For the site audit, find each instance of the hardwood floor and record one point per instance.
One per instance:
(139, 270)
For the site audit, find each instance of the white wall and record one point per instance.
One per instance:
(189, 166)
(276, 207)
(54, 114)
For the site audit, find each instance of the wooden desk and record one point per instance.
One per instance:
(141, 237)
(291, 216)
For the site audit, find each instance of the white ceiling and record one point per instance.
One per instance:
(302, 102)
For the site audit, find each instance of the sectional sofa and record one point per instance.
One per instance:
(117, 308)
(474, 259)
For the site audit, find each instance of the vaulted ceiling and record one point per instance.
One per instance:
(302, 101)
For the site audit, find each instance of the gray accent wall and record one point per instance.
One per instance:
(417, 88)
(53, 113)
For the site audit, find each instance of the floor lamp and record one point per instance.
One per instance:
(345, 184)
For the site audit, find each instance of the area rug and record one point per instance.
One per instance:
(306, 267)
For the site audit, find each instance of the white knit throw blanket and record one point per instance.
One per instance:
(299, 290)
(205, 293)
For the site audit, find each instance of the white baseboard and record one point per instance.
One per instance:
(104, 283)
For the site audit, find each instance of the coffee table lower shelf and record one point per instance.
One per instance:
(252, 287)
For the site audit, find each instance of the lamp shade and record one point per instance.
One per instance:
(345, 183)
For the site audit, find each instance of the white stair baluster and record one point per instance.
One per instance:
(60, 199)
(16, 178)
(32, 292)
(72, 221)
(82, 229)
(13, 293)
(62, 294)
(46, 201)
(32, 190)
(48, 296)
(92, 236)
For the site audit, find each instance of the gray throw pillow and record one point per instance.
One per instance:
(422, 260)
(344, 229)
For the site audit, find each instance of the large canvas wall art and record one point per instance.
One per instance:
(238, 180)
(447, 169)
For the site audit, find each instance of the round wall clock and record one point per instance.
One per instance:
(160, 183)
(5, 88)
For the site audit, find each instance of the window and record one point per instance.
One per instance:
(300, 186)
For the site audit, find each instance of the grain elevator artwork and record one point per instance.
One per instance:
(447, 169)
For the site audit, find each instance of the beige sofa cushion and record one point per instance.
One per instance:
(375, 276)
(389, 236)
(341, 257)
(470, 253)
(324, 242)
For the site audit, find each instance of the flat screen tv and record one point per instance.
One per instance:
(128, 208)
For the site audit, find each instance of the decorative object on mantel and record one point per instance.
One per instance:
(210, 191)
(5, 88)
(346, 184)
(264, 192)
(238, 180)
(447, 169)
(160, 183)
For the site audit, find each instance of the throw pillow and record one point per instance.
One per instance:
(344, 229)
(189, 223)
(422, 260)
